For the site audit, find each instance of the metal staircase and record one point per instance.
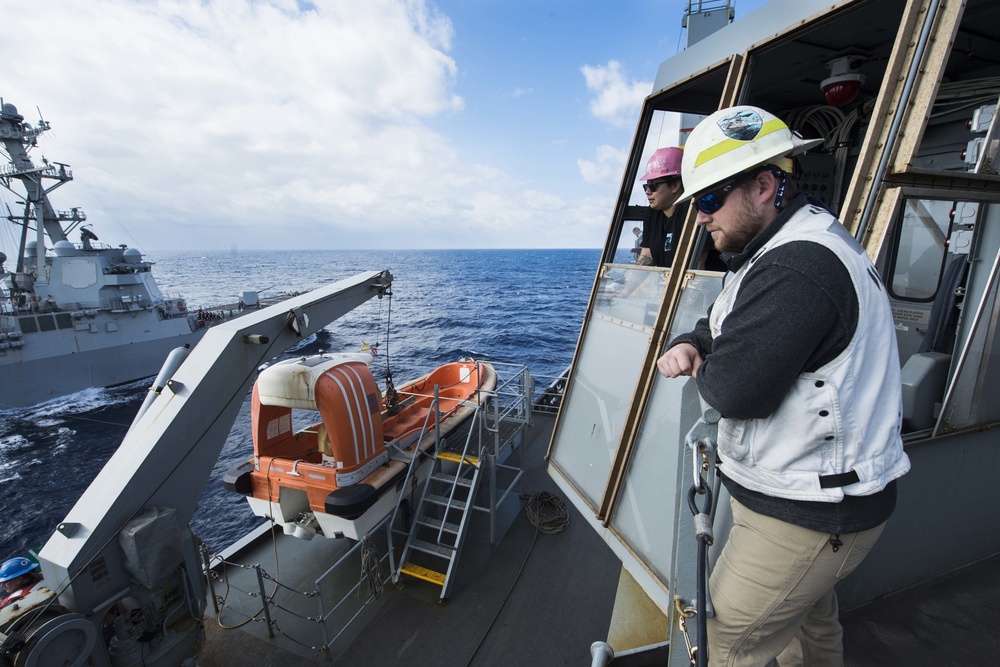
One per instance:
(441, 519)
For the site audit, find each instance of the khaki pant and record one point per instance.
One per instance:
(772, 589)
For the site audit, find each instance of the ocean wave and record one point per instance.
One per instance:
(87, 400)
(519, 307)
(12, 441)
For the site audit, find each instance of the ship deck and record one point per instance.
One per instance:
(515, 602)
(952, 621)
(541, 599)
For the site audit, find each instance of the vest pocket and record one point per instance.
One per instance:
(805, 434)
(732, 442)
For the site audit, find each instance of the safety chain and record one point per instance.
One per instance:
(292, 639)
(684, 613)
(311, 619)
(245, 566)
(701, 439)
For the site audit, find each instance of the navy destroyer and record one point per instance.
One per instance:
(74, 315)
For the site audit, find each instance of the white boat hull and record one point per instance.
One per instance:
(293, 504)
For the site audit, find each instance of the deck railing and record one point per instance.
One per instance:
(348, 591)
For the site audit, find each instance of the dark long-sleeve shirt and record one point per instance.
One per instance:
(796, 310)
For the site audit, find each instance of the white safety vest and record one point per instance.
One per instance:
(844, 417)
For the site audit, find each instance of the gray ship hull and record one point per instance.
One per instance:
(100, 351)
(76, 315)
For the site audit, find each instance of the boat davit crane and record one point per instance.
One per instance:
(124, 556)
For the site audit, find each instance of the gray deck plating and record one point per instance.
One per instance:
(536, 599)
(951, 622)
(516, 602)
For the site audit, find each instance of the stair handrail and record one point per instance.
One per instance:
(521, 392)
(417, 453)
(458, 472)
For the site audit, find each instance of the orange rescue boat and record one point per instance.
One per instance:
(343, 474)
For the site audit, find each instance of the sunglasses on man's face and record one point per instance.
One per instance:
(652, 187)
(711, 202)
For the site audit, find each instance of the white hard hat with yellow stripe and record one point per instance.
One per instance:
(734, 140)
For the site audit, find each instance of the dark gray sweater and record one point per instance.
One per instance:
(796, 310)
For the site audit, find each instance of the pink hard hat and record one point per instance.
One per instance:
(665, 162)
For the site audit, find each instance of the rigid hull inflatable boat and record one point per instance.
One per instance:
(343, 474)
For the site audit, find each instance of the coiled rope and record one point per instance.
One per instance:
(547, 513)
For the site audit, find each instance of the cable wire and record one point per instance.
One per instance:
(548, 514)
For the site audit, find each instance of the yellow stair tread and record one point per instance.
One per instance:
(457, 458)
(423, 573)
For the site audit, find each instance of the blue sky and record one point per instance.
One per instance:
(214, 124)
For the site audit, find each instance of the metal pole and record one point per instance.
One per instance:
(263, 601)
(601, 654)
(208, 576)
(963, 356)
(494, 402)
(437, 420)
(322, 614)
(491, 462)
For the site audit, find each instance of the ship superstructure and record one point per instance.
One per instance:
(903, 95)
(74, 315)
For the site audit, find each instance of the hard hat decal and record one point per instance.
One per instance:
(741, 125)
(726, 145)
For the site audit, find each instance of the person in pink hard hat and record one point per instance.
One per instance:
(661, 227)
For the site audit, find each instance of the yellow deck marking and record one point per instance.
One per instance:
(457, 458)
(423, 573)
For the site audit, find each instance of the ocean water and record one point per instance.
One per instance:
(515, 306)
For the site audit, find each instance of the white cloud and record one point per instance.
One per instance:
(207, 123)
(607, 166)
(519, 92)
(615, 99)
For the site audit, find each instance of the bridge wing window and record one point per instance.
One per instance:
(971, 400)
(920, 249)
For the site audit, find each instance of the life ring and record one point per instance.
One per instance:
(181, 306)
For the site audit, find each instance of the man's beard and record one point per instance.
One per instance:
(748, 224)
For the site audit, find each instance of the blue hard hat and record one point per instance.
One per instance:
(15, 567)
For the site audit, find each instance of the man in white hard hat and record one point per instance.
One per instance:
(798, 355)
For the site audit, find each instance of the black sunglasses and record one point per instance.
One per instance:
(711, 202)
(651, 187)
